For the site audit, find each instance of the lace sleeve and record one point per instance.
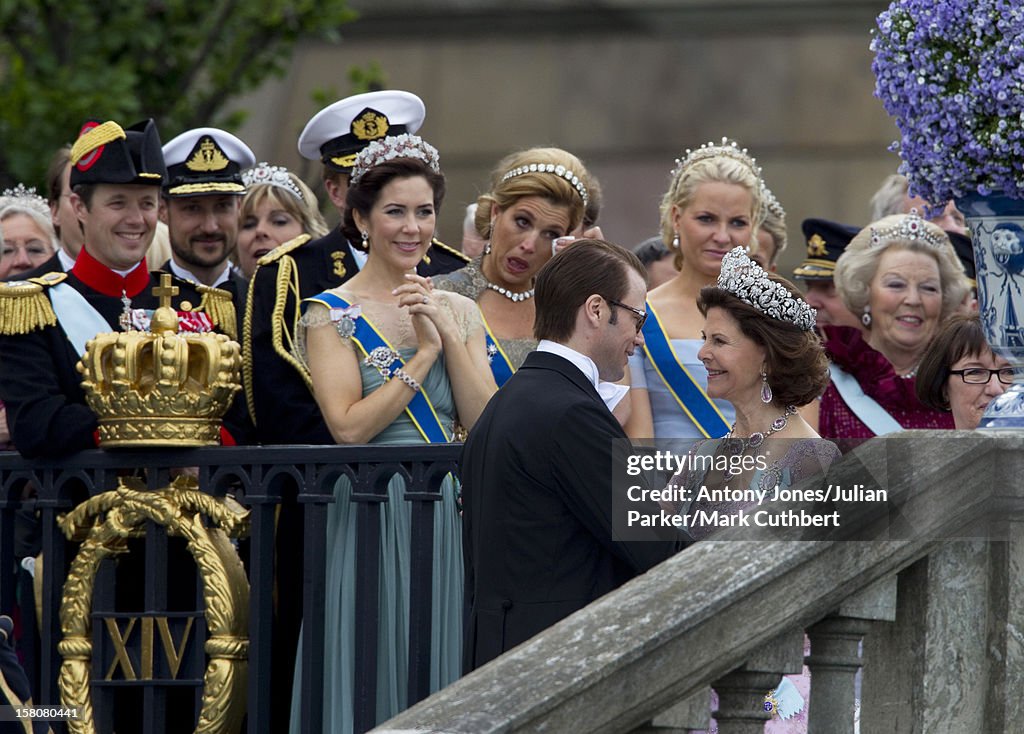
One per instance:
(464, 313)
(317, 316)
(809, 457)
(692, 473)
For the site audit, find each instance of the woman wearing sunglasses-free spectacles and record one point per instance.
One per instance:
(956, 372)
(982, 375)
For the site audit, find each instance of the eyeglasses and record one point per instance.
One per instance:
(981, 375)
(641, 316)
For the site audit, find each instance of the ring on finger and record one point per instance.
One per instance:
(426, 300)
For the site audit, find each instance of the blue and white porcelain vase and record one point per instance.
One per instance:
(997, 233)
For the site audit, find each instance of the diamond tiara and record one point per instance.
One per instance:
(561, 171)
(910, 227)
(27, 198)
(745, 279)
(392, 147)
(264, 173)
(727, 148)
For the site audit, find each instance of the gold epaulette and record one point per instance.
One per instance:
(25, 307)
(450, 250)
(283, 249)
(219, 306)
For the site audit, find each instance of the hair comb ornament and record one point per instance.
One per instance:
(27, 198)
(392, 147)
(910, 227)
(264, 173)
(558, 170)
(745, 279)
(727, 148)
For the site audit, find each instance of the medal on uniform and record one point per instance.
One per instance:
(125, 319)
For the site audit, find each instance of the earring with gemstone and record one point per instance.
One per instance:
(766, 389)
(866, 317)
(366, 240)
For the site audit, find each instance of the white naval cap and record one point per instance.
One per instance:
(204, 161)
(339, 131)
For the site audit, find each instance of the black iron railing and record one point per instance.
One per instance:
(270, 482)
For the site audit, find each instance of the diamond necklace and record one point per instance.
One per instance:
(510, 295)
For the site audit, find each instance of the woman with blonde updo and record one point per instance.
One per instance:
(537, 196)
(712, 205)
(771, 233)
(902, 277)
(277, 207)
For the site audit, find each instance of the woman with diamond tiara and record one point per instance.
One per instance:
(27, 237)
(761, 355)
(277, 207)
(902, 277)
(392, 361)
(712, 205)
(537, 196)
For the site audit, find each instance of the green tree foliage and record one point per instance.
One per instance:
(178, 61)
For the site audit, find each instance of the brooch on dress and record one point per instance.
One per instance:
(344, 320)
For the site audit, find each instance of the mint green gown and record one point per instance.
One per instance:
(395, 552)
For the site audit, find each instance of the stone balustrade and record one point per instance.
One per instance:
(930, 621)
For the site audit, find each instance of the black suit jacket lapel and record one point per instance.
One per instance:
(551, 361)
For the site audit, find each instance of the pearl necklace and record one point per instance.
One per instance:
(740, 445)
(510, 295)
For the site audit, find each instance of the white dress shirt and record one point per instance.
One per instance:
(611, 393)
(186, 275)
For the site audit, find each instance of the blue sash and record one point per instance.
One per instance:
(871, 414)
(420, 410)
(501, 365)
(80, 321)
(680, 383)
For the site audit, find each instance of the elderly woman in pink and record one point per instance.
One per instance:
(902, 278)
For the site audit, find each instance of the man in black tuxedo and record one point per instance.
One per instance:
(537, 466)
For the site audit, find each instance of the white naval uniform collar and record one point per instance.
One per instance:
(180, 272)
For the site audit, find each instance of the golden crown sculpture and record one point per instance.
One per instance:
(160, 387)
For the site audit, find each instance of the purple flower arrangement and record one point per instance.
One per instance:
(951, 74)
